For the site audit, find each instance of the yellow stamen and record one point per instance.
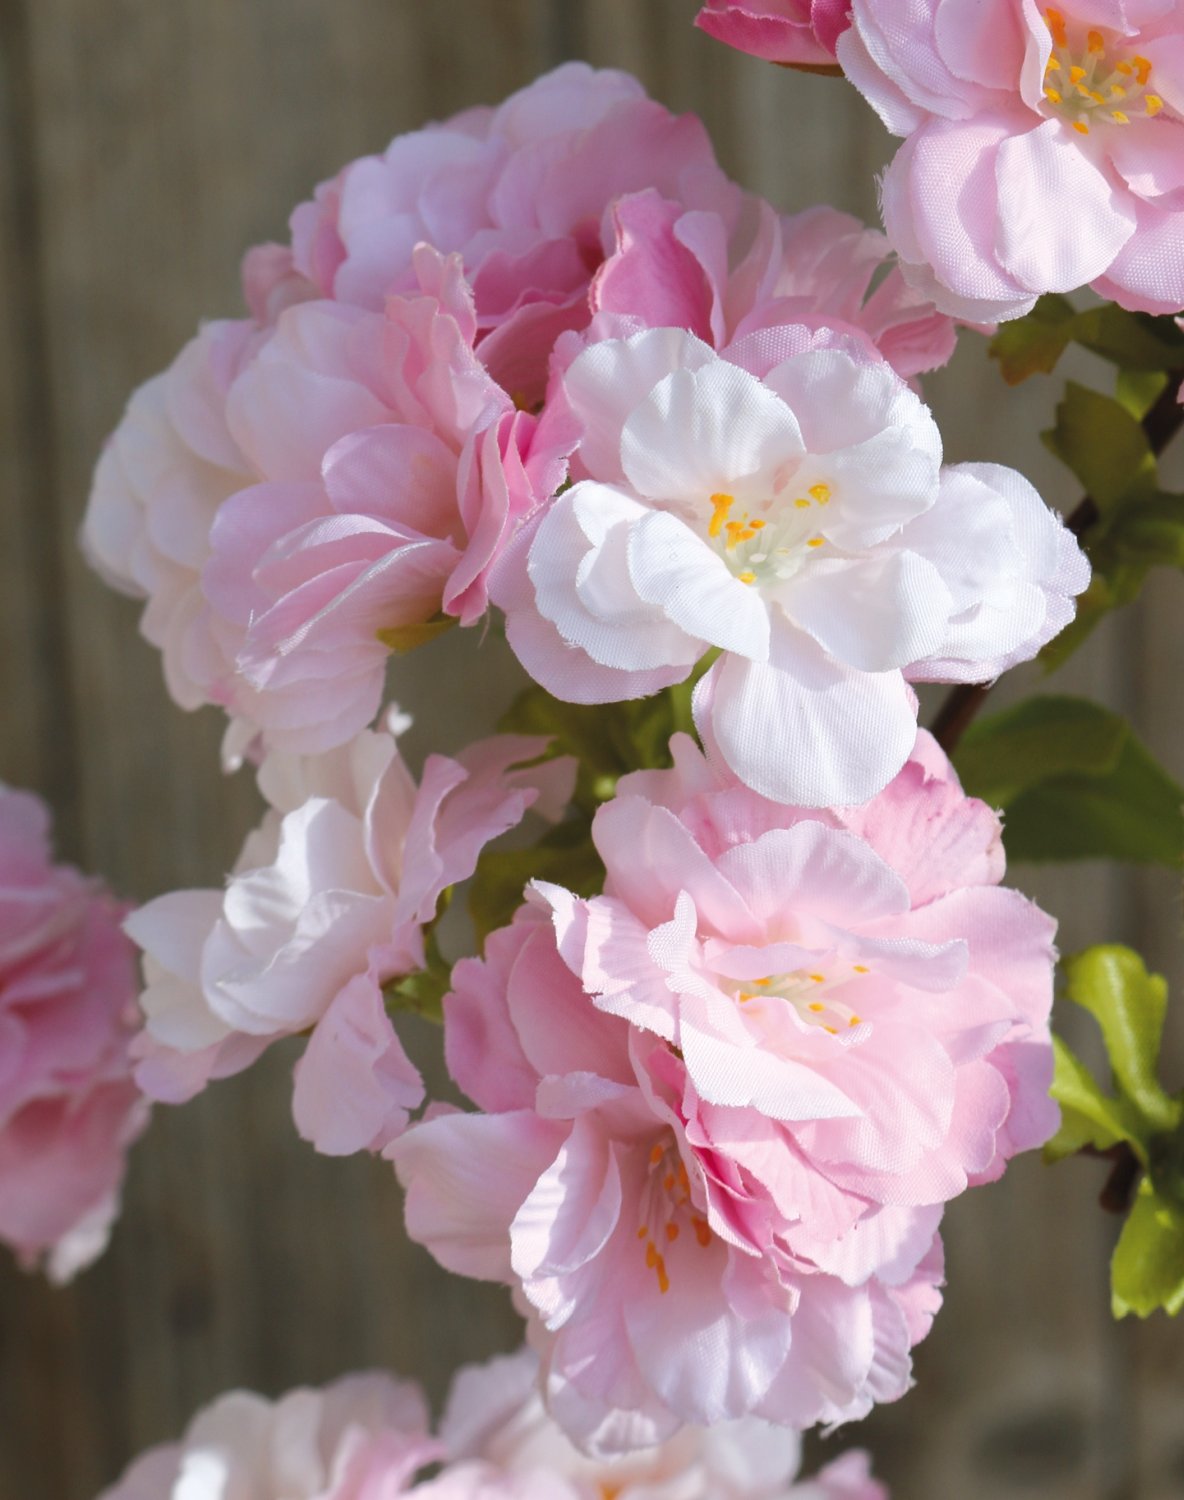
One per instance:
(831, 1030)
(656, 1155)
(747, 576)
(818, 978)
(1142, 68)
(744, 999)
(855, 1021)
(721, 504)
(655, 1263)
(815, 541)
(1076, 73)
(1053, 65)
(820, 492)
(1052, 96)
(757, 525)
(683, 1179)
(1154, 104)
(1117, 91)
(1125, 69)
(1095, 41)
(672, 1232)
(862, 969)
(1080, 127)
(702, 1232)
(668, 1182)
(642, 1232)
(1056, 24)
(1119, 118)
(816, 1006)
(802, 504)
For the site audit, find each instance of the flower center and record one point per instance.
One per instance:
(769, 543)
(809, 992)
(1089, 81)
(668, 1209)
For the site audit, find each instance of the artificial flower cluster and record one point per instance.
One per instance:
(723, 1104)
(544, 365)
(631, 405)
(68, 1106)
(368, 1437)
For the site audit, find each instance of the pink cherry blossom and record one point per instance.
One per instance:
(783, 503)
(499, 1439)
(361, 1438)
(328, 902)
(672, 266)
(801, 33)
(68, 1106)
(392, 470)
(1044, 147)
(722, 1105)
(161, 478)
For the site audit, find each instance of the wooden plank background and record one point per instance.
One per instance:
(145, 144)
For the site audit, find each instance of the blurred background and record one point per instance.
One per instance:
(146, 143)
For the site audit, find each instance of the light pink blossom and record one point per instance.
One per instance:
(68, 1106)
(499, 1439)
(361, 1438)
(366, 1437)
(671, 266)
(728, 1099)
(328, 902)
(392, 470)
(1044, 147)
(785, 504)
(801, 33)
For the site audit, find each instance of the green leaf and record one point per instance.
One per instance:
(565, 855)
(1075, 783)
(1138, 390)
(1129, 1005)
(404, 638)
(1033, 344)
(1103, 444)
(1088, 1116)
(1134, 341)
(1150, 531)
(607, 739)
(1147, 1271)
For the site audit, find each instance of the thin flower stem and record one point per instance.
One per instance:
(962, 703)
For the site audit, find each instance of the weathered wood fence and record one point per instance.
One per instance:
(146, 143)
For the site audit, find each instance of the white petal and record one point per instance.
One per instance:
(581, 577)
(874, 613)
(704, 431)
(679, 572)
(806, 730)
(606, 382)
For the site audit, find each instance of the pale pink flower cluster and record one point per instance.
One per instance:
(328, 902)
(800, 33)
(1044, 146)
(367, 1437)
(68, 1106)
(547, 358)
(342, 474)
(722, 1105)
